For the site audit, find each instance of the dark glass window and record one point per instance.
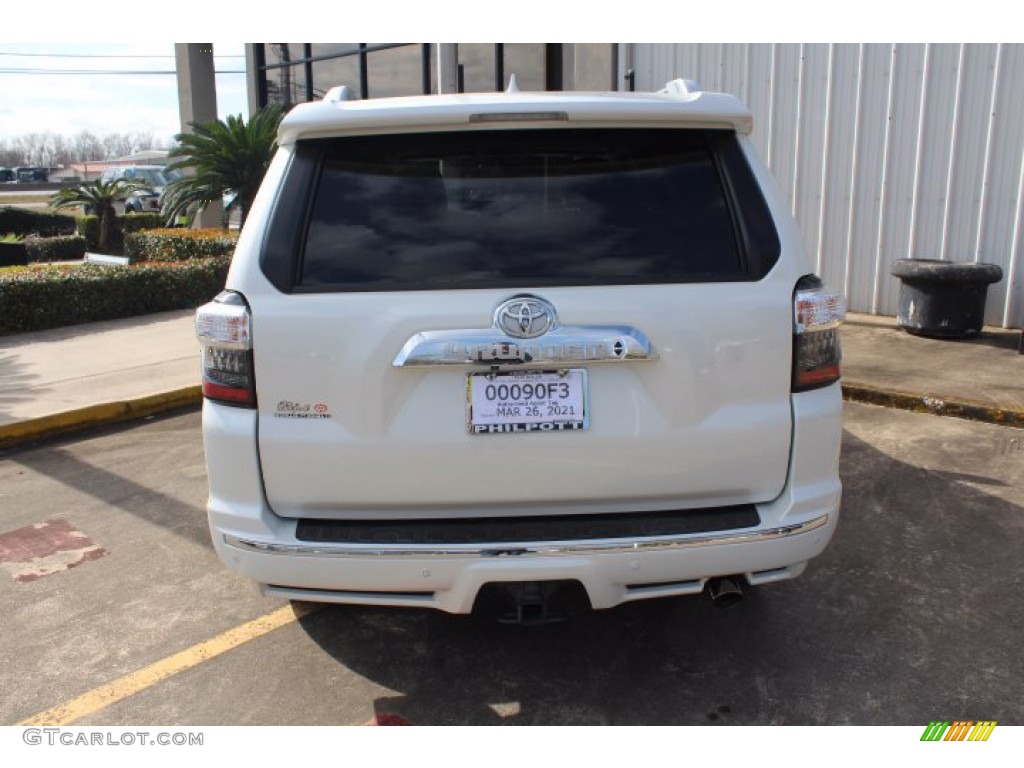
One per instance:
(477, 61)
(286, 85)
(396, 72)
(526, 62)
(283, 53)
(595, 67)
(328, 73)
(515, 208)
(333, 49)
(291, 73)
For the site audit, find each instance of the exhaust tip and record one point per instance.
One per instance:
(725, 591)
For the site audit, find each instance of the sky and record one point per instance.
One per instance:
(59, 88)
(103, 103)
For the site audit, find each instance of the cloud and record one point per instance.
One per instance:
(68, 104)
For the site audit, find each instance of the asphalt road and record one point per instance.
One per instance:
(913, 614)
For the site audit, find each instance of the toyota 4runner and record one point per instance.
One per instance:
(525, 340)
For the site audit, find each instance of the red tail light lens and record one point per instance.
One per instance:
(817, 315)
(223, 328)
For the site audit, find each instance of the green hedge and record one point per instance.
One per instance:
(89, 228)
(49, 297)
(22, 221)
(13, 254)
(60, 248)
(179, 244)
(135, 222)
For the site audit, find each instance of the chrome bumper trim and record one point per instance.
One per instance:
(608, 546)
(564, 345)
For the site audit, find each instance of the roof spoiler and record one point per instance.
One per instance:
(677, 87)
(339, 93)
(680, 87)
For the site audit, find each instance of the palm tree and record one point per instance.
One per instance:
(225, 157)
(96, 197)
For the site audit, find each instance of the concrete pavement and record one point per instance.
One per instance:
(981, 378)
(910, 615)
(67, 379)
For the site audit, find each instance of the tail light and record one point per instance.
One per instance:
(223, 328)
(817, 314)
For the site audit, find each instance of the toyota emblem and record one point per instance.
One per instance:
(524, 317)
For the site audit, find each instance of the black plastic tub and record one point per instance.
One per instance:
(943, 298)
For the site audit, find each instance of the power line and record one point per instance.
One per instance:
(18, 71)
(114, 55)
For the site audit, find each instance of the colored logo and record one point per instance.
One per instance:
(959, 730)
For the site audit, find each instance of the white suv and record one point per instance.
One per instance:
(525, 340)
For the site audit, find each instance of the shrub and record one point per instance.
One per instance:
(179, 244)
(60, 248)
(89, 228)
(12, 251)
(22, 221)
(134, 222)
(49, 297)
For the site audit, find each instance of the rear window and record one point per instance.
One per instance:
(517, 208)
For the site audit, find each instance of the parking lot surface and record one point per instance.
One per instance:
(913, 613)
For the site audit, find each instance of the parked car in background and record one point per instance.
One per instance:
(27, 175)
(152, 180)
(7, 176)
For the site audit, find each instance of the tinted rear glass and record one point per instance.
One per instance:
(518, 208)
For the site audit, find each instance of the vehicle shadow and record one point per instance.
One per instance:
(912, 614)
(60, 461)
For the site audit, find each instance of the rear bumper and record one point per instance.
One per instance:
(254, 542)
(612, 572)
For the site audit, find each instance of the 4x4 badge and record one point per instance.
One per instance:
(525, 317)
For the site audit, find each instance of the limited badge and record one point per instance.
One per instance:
(289, 409)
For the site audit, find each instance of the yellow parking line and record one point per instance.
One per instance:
(130, 684)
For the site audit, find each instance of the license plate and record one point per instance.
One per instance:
(527, 401)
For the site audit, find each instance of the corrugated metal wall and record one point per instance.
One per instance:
(884, 151)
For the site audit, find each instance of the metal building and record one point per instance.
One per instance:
(884, 151)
